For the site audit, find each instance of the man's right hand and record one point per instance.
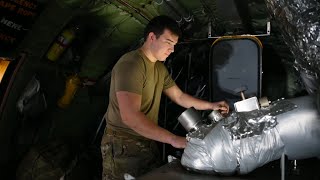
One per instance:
(178, 142)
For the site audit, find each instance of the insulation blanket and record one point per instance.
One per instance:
(244, 141)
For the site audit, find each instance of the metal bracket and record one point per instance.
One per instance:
(256, 35)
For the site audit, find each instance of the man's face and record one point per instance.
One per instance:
(163, 46)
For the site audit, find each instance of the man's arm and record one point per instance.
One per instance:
(187, 101)
(129, 106)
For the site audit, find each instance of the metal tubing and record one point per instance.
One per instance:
(177, 7)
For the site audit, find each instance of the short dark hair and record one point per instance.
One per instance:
(158, 24)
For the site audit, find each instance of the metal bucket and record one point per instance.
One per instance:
(190, 119)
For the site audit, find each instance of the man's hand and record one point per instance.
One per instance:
(221, 106)
(178, 142)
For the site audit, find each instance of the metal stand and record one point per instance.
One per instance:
(282, 164)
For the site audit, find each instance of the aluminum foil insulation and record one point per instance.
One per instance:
(299, 24)
(244, 141)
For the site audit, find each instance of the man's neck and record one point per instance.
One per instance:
(146, 51)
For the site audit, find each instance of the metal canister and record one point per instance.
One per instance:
(62, 42)
(190, 119)
(215, 116)
(72, 84)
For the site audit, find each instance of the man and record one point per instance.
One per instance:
(137, 82)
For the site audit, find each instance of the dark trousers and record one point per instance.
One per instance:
(125, 153)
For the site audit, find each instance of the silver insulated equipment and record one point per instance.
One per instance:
(245, 141)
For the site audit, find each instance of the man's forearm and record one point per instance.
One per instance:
(188, 101)
(145, 127)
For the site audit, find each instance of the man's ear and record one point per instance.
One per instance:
(152, 36)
